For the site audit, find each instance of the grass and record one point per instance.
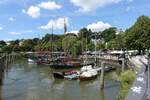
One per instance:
(126, 80)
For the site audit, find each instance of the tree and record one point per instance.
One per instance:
(72, 45)
(109, 34)
(27, 45)
(85, 33)
(2, 43)
(117, 43)
(138, 36)
(68, 43)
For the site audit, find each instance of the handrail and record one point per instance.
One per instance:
(148, 81)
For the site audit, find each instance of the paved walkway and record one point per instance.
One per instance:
(137, 91)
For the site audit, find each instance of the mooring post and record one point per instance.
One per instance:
(5, 60)
(102, 75)
(123, 64)
(9, 58)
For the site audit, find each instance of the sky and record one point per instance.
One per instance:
(23, 19)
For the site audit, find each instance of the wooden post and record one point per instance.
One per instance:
(102, 76)
(102, 95)
(8, 58)
(123, 64)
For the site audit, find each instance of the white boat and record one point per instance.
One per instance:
(86, 68)
(88, 75)
(31, 61)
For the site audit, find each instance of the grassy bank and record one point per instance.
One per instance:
(126, 78)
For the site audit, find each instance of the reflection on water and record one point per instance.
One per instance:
(35, 82)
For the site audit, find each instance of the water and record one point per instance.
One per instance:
(35, 82)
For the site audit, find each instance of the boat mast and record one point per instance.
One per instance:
(95, 48)
(65, 26)
(65, 31)
(52, 43)
(86, 50)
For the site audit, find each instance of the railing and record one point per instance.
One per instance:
(147, 93)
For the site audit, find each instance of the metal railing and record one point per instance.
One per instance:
(148, 81)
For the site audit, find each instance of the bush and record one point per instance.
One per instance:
(126, 79)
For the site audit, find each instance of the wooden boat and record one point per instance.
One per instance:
(66, 64)
(63, 66)
(72, 74)
(59, 75)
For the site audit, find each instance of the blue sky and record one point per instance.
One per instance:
(33, 18)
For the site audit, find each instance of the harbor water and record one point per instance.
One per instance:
(23, 81)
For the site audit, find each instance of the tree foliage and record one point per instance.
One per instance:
(138, 36)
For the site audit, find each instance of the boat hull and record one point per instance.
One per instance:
(58, 75)
(63, 66)
(84, 78)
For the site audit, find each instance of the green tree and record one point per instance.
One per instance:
(138, 36)
(2, 43)
(72, 45)
(108, 34)
(27, 45)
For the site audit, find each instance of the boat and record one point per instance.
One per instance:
(86, 68)
(72, 74)
(31, 61)
(88, 75)
(66, 64)
(58, 75)
(109, 69)
(87, 71)
(63, 66)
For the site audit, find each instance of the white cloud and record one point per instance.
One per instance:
(33, 11)
(129, 8)
(11, 19)
(23, 11)
(99, 26)
(57, 24)
(129, 0)
(1, 28)
(14, 33)
(90, 5)
(50, 5)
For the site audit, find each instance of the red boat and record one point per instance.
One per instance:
(61, 75)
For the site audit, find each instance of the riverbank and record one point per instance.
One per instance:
(127, 78)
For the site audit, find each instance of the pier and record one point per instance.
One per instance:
(5, 60)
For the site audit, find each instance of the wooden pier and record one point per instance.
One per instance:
(5, 60)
